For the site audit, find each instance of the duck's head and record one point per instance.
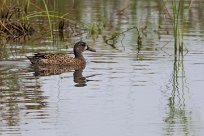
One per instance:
(80, 47)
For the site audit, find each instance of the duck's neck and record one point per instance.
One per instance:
(78, 55)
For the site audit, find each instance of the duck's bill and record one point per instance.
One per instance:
(90, 49)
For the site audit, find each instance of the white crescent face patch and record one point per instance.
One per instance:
(86, 47)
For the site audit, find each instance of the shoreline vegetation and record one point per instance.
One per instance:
(26, 19)
(18, 23)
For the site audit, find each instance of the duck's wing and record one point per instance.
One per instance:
(38, 58)
(58, 58)
(54, 56)
(41, 55)
(50, 58)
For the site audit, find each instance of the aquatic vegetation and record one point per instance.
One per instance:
(27, 18)
(13, 29)
(95, 29)
(112, 38)
(177, 14)
(10, 26)
(24, 20)
(178, 11)
(26, 6)
(49, 19)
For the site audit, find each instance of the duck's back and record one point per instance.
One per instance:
(55, 59)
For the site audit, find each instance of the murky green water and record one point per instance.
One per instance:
(121, 92)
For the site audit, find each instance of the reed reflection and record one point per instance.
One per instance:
(178, 117)
(20, 96)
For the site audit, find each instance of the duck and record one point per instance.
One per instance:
(47, 59)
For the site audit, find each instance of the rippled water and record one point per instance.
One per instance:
(121, 91)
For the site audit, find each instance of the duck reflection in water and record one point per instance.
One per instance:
(78, 77)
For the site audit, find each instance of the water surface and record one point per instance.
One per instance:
(123, 91)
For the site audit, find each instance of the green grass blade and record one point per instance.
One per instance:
(49, 19)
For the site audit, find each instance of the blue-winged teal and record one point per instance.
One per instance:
(62, 59)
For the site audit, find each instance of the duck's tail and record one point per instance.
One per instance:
(32, 59)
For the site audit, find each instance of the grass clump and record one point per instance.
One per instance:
(11, 28)
(26, 18)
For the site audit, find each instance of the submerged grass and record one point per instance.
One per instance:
(112, 38)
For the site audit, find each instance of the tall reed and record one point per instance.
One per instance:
(49, 19)
(178, 21)
(26, 6)
(178, 24)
